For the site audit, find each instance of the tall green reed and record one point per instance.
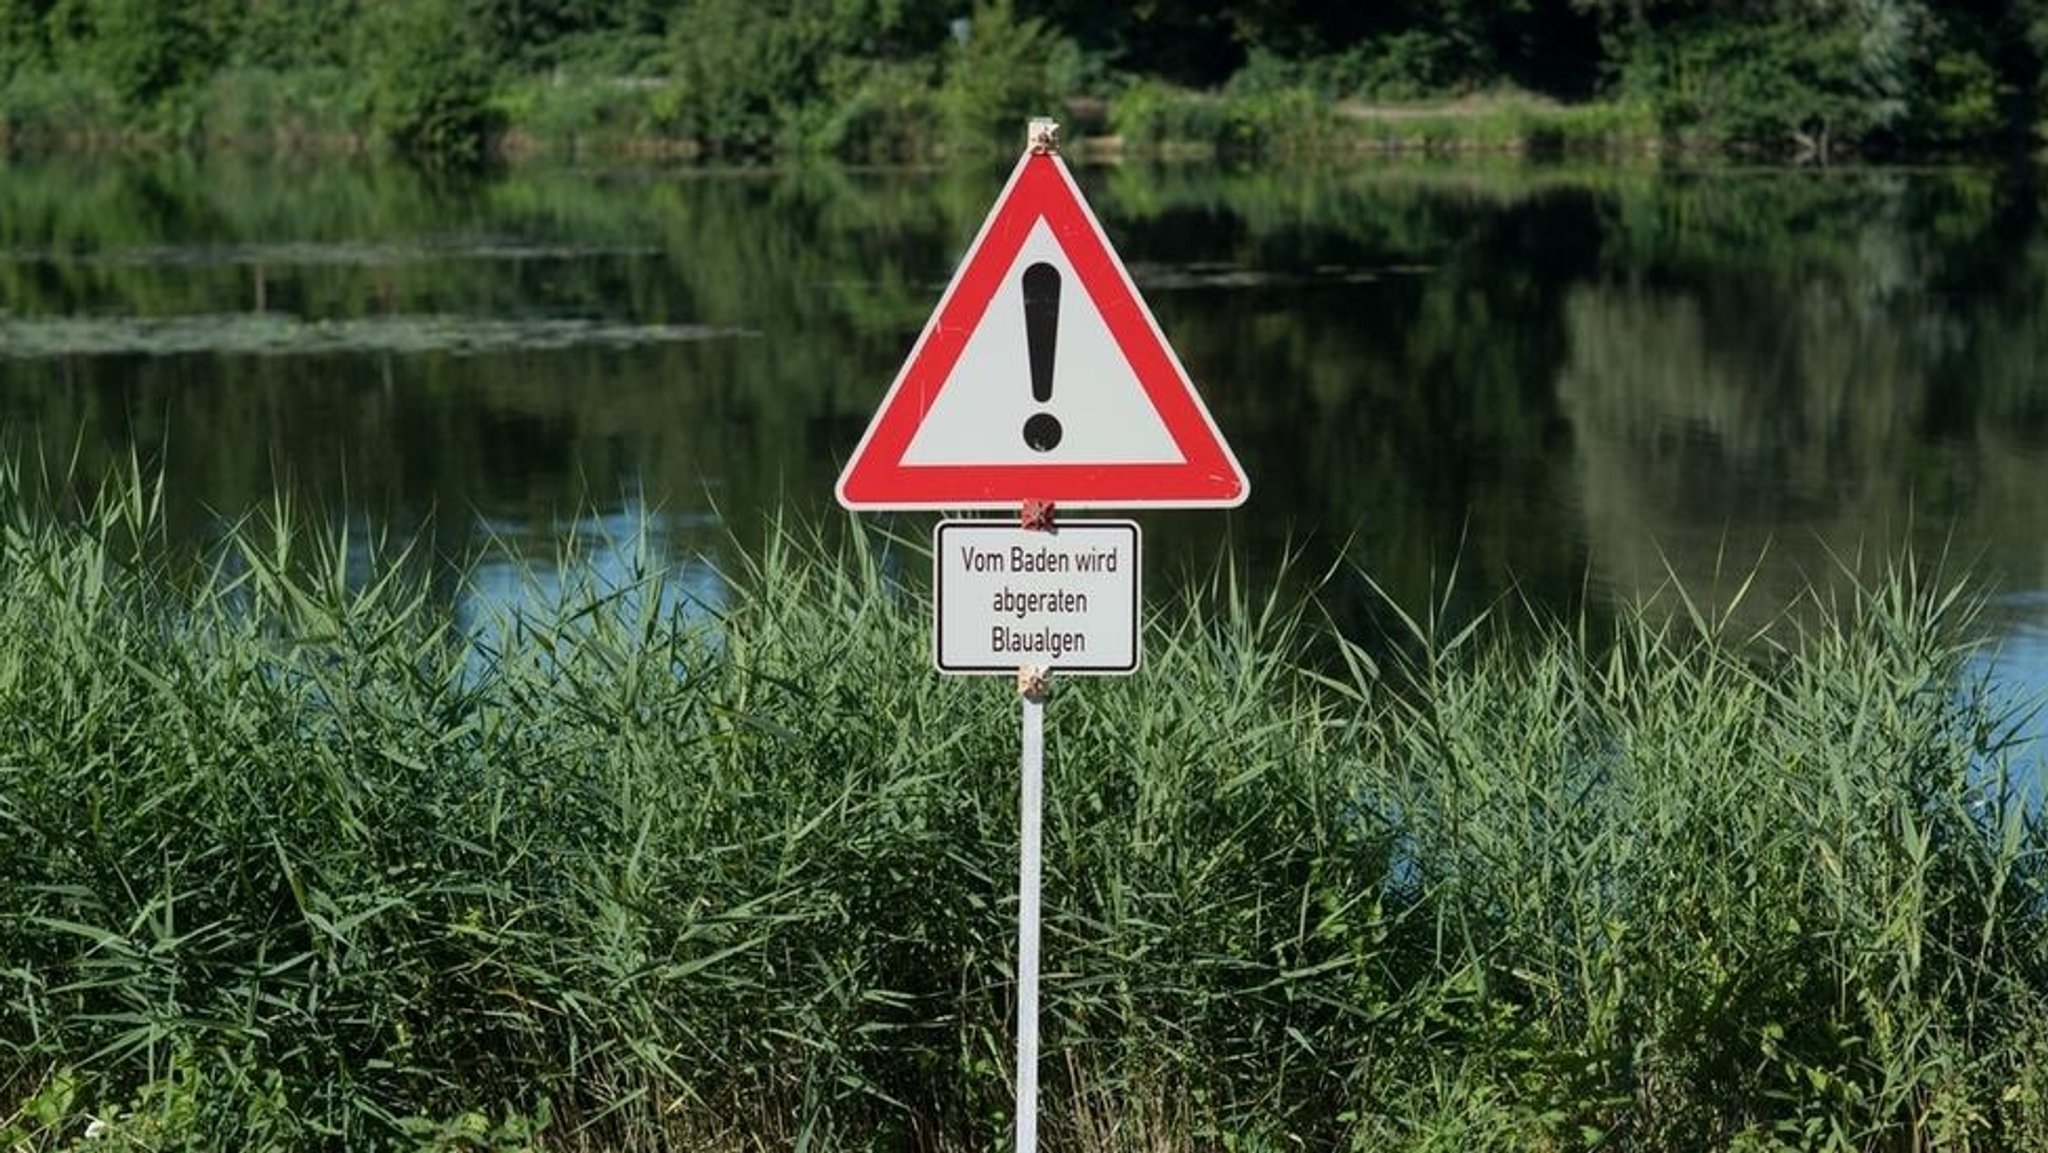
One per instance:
(1699, 889)
(288, 858)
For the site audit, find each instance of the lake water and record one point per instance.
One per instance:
(1573, 383)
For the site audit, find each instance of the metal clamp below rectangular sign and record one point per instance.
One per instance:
(1064, 599)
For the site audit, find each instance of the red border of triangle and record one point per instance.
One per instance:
(877, 478)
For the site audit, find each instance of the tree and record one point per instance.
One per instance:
(142, 49)
(997, 78)
(294, 34)
(430, 84)
(23, 44)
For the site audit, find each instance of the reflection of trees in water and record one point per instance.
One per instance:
(829, 272)
(1499, 364)
(1312, 369)
(1692, 447)
(1799, 419)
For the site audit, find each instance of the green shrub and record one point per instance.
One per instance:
(1813, 79)
(1286, 122)
(1150, 115)
(1253, 121)
(576, 111)
(304, 107)
(45, 108)
(1962, 101)
(23, 47)
(1000, 78)
(1770, 83)
(1407, 65)
(429, 82)
(288, 37)
(609, 54)
(143, 49)
(742, 73)
(1576, 128)
(877, 112)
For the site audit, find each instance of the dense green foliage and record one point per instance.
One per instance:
(429, 81)
(289, 859)
(888, 77)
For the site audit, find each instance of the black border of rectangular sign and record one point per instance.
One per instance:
(1063, 526)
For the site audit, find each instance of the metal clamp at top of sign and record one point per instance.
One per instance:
(1037, 516)
(1034, 683)
(1043, 136)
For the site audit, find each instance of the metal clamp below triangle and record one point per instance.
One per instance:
(1042, 376)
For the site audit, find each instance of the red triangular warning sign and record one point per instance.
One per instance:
(1041, 376)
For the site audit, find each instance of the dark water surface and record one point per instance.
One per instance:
(1568, 381)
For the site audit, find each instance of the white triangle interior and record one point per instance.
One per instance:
(1105, 416)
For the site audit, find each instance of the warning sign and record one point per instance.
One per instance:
(1042, 376)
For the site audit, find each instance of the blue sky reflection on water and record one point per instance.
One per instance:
(2012, 665)
(616, 558)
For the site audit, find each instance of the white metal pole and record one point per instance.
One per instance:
(1028, 864)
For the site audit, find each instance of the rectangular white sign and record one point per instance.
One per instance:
(1065, 599)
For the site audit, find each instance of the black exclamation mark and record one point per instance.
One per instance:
(1041, 333)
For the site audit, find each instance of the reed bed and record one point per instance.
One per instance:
(288, 859)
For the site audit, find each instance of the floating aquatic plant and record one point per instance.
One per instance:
(278, 334)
